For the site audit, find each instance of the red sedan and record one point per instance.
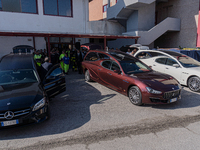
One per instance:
(129, 76)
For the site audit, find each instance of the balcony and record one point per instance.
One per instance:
(124, 8)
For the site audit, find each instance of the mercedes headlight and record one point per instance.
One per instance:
(39, 104)
(150, 90)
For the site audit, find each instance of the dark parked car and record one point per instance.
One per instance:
(24, 98)
(90, 46)
(129, 76)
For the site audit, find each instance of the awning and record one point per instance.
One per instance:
(73, 35)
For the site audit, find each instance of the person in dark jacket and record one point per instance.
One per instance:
(79, 59)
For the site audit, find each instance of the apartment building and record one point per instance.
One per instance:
(159, 23)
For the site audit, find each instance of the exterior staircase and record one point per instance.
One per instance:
(147, 37)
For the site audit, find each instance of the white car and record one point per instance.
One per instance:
(185, 69)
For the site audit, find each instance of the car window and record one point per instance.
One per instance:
(131, 67)
(106, 64)
(188, 62)
(115, 66)
(143, 55)
(171, 62)
(92, 56)
(154, 54)
(84, 49)
(56, 72)
(17, 76)
(103, 56)
(161, 60)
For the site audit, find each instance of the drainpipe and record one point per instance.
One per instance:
(108, 3)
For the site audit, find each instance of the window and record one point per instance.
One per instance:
(161, 60)
(58, 7)
(115, 66)
(91, 57)
(154, 54)
(105, 7)
(171, 62)
(56, 72)
(20, 76)
(103, 56)
(106, 64)
(24, 6)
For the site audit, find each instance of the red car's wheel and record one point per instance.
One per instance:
(135, 95)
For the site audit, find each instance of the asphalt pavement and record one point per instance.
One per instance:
(90, 116)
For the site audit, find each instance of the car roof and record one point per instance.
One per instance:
(17, 61)
(171, 53)
(118, 55)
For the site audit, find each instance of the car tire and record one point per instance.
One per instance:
(87, 76)
(135, 95)
(194, 84)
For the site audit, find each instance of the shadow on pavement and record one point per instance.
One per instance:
(69, 110)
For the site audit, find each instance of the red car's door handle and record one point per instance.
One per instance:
(109, 73)
(99, 69)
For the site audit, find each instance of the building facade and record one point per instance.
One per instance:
(159, 23)
(31, 22)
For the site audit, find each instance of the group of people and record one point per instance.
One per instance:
(71, 59)
(68, 59)
(131, 52)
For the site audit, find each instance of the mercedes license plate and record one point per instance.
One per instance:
(9, 123)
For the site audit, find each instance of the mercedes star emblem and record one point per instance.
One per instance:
(9, 115)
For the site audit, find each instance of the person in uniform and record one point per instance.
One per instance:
(79, 59)
(38, 58)
(73, 60)
(61, 59)
(66, 63)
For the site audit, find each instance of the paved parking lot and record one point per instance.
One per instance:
(91, 116)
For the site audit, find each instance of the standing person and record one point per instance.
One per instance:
(73, 60)
(66, 63)
(61, 59)
(57, 54)
(128, 51)
(45, 67)
(38, 58)
(68, 52)
(133, 51)
(79, 59)
(53, 57)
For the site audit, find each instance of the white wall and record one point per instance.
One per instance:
(44, 23)
(39, 23)
(40, 43)
(132, 22)
(146, 17)
(7, 43)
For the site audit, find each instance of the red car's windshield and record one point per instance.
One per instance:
(132, 67)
